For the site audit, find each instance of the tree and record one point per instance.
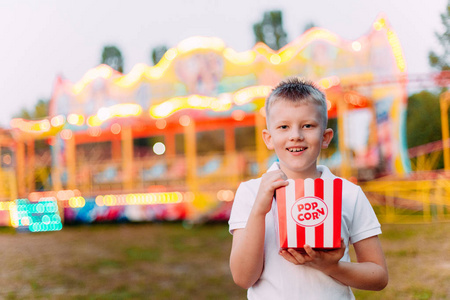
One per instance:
(112, 57)
(423, 120)
(270, 30)
(442, 61)
(40, 111)
(423, 128)
(158, 52)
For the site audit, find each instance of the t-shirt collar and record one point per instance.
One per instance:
(326, 173)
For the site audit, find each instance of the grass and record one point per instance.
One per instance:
(171, 261)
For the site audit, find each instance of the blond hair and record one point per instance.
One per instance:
(298, 90)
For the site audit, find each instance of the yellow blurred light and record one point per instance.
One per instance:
(77, 202)
(102, 71)
(57, 121)
(110, 200)
(75, 119)
(132, 77)
(173, 105)
(356, 46)
(379, 24)
(287, 54)
(13, 215)
(164, 109)
(171, 54)
(131, 199)
(40, 126)
(139, 199)
(246, 95)
(116, 111)
(242, 58)
(329, 82)
(93, 121)
(157, 71)
(6, 205)
(126, 109)
(195, 100)
(325, 83)
(397, 50)
(275, 59)
(263, 49)
(44, 125)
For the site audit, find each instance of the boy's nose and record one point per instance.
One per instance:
(296, 135)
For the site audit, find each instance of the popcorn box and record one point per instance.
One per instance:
(309, 212)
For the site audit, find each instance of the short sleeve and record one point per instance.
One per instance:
(365, 223)
(242, 205)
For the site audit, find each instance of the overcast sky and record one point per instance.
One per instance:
(41, 39)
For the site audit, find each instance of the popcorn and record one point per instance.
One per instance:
(309, 212)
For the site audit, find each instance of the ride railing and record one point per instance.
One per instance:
(212, 171)
(418, 198)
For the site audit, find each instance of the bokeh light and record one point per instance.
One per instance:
(159, 148)
(185, 120)
(116, 128)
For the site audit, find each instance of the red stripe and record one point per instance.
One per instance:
(281, 205)
(337, 212)
(299, 193)
(318, 192)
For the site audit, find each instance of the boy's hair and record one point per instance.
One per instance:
(298, 90)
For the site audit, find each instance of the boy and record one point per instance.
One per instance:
(296, 116)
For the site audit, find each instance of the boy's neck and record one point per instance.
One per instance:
(292, 175)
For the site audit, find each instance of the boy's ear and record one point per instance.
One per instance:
(327, 137)
(267, 137)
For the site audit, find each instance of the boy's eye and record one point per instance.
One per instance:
(307, 126)
(283, 127)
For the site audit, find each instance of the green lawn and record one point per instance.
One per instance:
(170, 261)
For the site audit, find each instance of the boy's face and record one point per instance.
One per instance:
(296, 133)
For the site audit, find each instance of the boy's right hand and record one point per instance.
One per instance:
(270, 181)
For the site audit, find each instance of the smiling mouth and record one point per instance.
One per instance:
(299, 149)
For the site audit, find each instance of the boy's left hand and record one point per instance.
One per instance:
(320, 260)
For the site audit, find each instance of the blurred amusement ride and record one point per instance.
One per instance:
(173, 141)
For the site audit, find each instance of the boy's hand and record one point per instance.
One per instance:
(270, 181)
(321, 260)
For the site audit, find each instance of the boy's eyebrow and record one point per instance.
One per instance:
(302, 121)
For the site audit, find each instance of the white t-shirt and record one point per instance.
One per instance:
(281, 279)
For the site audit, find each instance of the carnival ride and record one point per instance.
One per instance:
(173, 141)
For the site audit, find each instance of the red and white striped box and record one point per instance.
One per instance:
(309, 212)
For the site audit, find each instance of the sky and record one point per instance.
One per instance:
(41, 39)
